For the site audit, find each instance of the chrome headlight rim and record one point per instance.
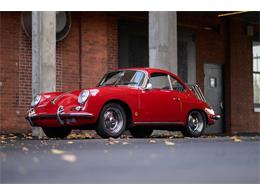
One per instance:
(83, 96)
(36, 100)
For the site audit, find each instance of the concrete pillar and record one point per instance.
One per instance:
(43, 55)
(163, 40)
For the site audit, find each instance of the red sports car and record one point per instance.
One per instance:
(137, 99)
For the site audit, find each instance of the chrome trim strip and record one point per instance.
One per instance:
(81, 114)
(158, 123)
(169, 80)
(62, 115)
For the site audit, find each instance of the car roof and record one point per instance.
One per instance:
(153, 70)
(149, 70)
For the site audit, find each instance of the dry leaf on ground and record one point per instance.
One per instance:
(69, 158)
(168, 143)
(152, 141)
(236, 138)
(25, 149)
(112, 141)
(55, 151)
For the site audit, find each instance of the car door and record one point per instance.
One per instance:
(159, 104)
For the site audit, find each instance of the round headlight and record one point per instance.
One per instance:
(36, 100)
(83, 96)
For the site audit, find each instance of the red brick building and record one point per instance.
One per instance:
(100, 41)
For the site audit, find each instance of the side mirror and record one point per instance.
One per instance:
(149, 86)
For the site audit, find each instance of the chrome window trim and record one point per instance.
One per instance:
(169, 79)
(143, 84)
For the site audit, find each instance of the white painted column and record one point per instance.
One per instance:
(43, 55)
(163, 40)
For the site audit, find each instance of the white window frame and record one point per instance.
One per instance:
(256, 109)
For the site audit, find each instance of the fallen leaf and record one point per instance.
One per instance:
(112, 141)
(168, 143)
(55, 151)
(125, 143)
(152, 141)
(25, 149)
(236, 138)
(69, 158)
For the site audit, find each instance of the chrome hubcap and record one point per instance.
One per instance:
(113, 120)
(195, 122)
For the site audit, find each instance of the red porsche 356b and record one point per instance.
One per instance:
(135, 99)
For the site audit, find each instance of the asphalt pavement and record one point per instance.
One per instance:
(180, 160)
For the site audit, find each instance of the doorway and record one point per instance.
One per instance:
(213, 89)
(133, 44)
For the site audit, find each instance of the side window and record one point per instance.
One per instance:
(176, 85)
(160, 81)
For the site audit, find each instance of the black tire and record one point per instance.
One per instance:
(56, 132)
(112, 121)
(195, 125)
(141, 132)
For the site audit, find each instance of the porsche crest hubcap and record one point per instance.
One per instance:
(113, 120)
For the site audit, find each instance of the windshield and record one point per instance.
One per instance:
(123, 77)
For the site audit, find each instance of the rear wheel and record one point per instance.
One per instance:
(196, 124)
(141, 132)
(56, 132)
(112, 121)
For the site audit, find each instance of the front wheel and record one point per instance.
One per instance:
(195, 125)
(112, 121)
(56, 132)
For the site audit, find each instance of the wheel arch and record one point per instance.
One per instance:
(125, 106)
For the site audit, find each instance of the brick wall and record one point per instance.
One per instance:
(9, 74)
(89, 50)
(225, 42)
(242, 115)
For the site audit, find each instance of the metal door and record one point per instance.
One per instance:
(213, 89)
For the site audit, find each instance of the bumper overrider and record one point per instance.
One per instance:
(61, 117)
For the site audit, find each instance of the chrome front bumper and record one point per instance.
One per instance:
(215, 117)
(60, 115)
